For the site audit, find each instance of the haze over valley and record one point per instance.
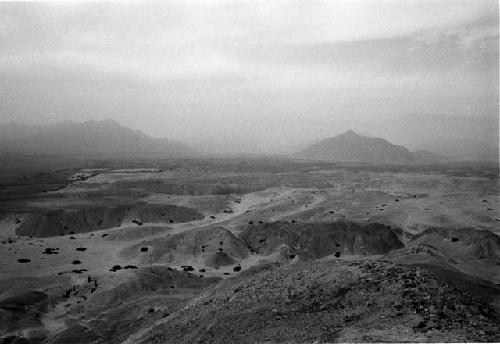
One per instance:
(466, 139)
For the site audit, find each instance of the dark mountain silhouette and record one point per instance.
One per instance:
(87, 138)
(472, 138)
(352, 147)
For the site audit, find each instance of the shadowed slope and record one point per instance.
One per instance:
(316, 240)
(46, 223)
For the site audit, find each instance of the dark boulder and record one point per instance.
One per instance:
(115, 268)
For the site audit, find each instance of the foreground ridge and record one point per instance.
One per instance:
(331, 301)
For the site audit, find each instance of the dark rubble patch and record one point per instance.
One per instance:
(79, 271)
(130, 267)
(115, 268)
(50, 250)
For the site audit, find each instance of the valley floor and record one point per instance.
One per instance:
(251, 251)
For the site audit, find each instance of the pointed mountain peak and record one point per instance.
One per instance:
(352, 147)
(350, 133)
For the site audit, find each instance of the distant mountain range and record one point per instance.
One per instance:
(90, 138)
(447, 137)
(352, 147)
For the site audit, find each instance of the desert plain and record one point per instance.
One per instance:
(247, 250)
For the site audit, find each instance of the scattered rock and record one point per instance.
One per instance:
(130, 267)
(50, 250)
(79, 271)
(115, 268)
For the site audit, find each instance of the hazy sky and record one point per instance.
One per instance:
(247, 75)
